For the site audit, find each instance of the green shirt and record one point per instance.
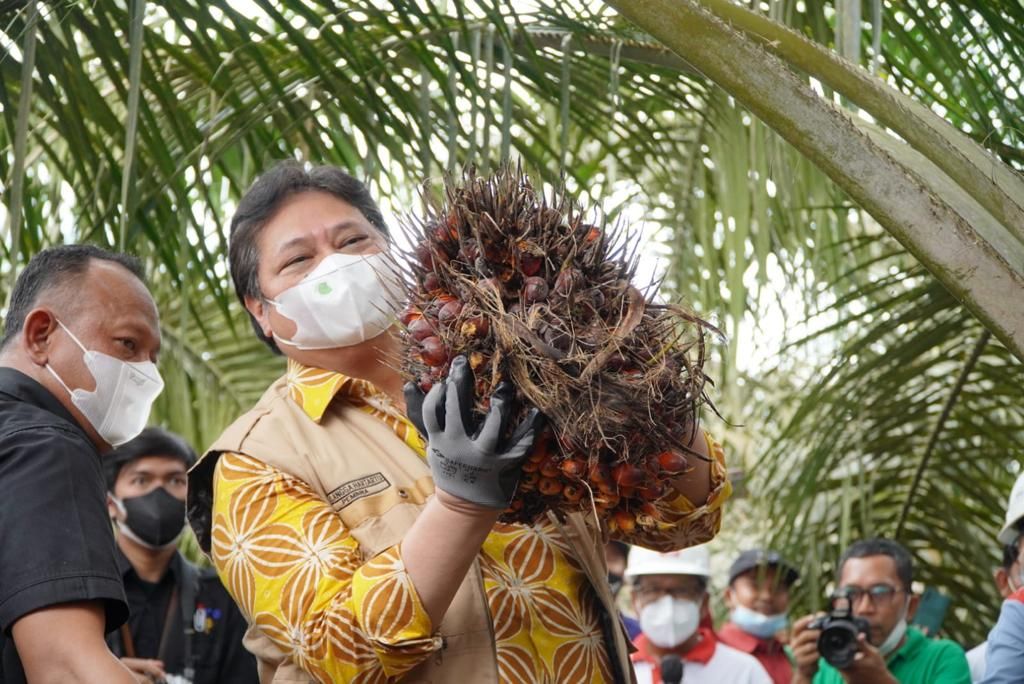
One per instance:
(918, 661)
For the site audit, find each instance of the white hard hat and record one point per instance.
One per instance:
(695, 560)
(1014, 512)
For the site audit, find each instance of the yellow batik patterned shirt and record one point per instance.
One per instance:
(295, 572)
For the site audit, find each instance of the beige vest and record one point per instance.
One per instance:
(378, 486)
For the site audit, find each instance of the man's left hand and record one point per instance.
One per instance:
(868, 666)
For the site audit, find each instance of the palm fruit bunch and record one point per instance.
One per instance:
(532, 292)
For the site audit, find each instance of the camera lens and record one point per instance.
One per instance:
(838, 643)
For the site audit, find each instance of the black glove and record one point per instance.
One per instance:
(466, 460)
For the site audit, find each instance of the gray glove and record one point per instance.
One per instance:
(467, 462)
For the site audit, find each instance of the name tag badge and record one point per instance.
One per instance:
(360, 488)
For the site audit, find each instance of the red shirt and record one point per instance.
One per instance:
(700, 653)
(768, 651)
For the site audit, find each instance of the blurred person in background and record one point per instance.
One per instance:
(615, 555)
(1008, 576)
(670, 594)
(874, 579)
(183, 627)
(758, 602)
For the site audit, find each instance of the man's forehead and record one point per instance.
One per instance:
(155, 464)
(870, 569)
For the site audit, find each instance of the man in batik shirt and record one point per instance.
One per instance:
(353, 558)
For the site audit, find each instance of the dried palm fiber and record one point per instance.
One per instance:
(530, 291)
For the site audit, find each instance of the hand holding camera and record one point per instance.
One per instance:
(841, 639)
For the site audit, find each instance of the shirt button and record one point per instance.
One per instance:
(404, 493)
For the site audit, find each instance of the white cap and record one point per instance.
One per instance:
(1014, 512)
(695, 560)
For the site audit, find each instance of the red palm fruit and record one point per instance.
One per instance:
(530, 264)
(573, 468)
(598, 474)
(425, 382)
(567, 281)
(572, 493)
(607, 487)
(549, 468)
(535, 290)
(672, 462)
(431, 283)
(424, 256)
(652, 492)
(516, 505)
(530, 466)
(420, 329)
(476, 326)
(476, 360)
(449, 312)
(549, 486)
(627, 492)
(609, 500)
(529, 479)
(624, 521)
(433, 351)
(627, 475)
(409, 314)
(650, 509)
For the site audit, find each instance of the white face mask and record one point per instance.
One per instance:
(896, 635)
(669, 622)
(345, 300)
(118, 409)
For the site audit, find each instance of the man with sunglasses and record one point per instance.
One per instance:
(875, 575)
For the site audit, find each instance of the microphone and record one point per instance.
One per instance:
(671, 669)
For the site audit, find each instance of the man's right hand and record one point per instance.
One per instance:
(469, 461)
(146, 671)
(804, 643)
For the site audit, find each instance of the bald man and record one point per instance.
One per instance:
(77, 377)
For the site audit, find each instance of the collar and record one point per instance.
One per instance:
(315, 388)
(732, 635)
(21, 387)
(702, 651)
(125, 567)
(913, 642)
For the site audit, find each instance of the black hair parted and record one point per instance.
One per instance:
(263, 199)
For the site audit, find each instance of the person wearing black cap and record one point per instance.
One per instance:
(183, 626)
(758, 600)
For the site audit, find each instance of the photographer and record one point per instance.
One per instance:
(874, 584)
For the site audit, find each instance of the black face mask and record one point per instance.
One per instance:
(156, 518)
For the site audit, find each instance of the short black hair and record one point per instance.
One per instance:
(259, 203)
(54, 267)
(152, 441)
(881, 547)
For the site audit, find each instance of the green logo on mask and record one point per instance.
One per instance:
(323, 289)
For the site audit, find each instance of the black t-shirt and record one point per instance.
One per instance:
(56, 542)
(157, 627)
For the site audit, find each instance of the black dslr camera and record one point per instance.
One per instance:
(837, 643)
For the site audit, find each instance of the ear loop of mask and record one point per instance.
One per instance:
(80, 346)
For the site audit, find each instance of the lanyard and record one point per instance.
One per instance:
(126, 635)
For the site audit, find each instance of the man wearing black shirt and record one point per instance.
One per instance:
(77, 376)
(184, 626)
